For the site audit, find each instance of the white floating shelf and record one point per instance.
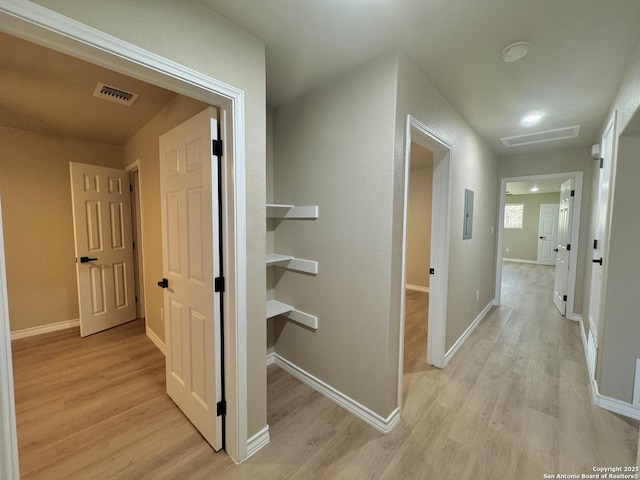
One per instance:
(275, 210)
(275, 308)
(292, 263)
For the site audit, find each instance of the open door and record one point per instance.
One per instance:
(104, 247)
(600, 237)
(547, 234)
(560, 286)
(191, 263)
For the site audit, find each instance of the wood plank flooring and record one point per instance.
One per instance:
(512, 404)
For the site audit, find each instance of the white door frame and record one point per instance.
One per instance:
(575, 233)
(440, 239)
(39, 25)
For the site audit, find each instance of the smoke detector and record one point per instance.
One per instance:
(114, 94)
(515, 51)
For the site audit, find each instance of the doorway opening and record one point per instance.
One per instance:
(518, 242)
(418, 261)
(136, 220)
(434, 155)
(41, 26)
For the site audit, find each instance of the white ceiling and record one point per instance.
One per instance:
(45, 91)
(579, 50)
(548, 185)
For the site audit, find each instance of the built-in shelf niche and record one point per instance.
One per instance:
(275, 307)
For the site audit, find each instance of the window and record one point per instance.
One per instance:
(513, 215)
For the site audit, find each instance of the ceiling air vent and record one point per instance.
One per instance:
(540, 137)
(114, 94)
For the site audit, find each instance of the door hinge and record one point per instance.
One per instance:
(218, 285)
(601, 162)
(573, 193)
(133, 245)
(595, 244)
(216, 148)
(568, 247)
(432, 271)
(136, 298)
(221, 408)
(564, 298)
(130, 188)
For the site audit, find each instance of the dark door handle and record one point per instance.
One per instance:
(87, 259)
(597, 261)
(542, 238)
(555, 250)
(164, 283)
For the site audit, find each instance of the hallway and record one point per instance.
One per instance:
(512, 404)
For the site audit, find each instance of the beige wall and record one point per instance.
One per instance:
(143, 146)
(38, 222)
(562, 161)
(193, 35)
(523, 243)
(473, 166)
(419, 222)
(333, 148)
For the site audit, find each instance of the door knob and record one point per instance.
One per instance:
(555, 250)
(87, 259)
(164, 283)
(597, 261)
(542, 238)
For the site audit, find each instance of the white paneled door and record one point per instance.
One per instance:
(104, 246)
(547, 234)
(191, 262)
(600, 233)
(560, 285)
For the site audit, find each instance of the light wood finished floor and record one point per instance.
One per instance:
(512, 404)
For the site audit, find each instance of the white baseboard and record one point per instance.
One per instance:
(383, 425)
(156, 340)
(256, 442)
(417, 288)
(463, 338)
(52, 327)
(519, 260)
(608, 403)
(271, 358)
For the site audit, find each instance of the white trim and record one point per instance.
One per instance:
(519, 260)
(607, 403)
(383, 425)
(37, 24)
(156, 340)
(52, 327)
(271, 358)
(258, 441)
(463, 338)
(9, 469)
(614, 405)
(575, 233)
(417, 288)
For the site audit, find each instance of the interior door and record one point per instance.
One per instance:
(600, 233)
(547, 234)
(191, 262)
(562, 251)
(104, 248)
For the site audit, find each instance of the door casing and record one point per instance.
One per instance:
(42, 26)
(440, 240)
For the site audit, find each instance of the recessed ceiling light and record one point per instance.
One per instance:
(515, 51)
(534, 189)
(531, 119)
